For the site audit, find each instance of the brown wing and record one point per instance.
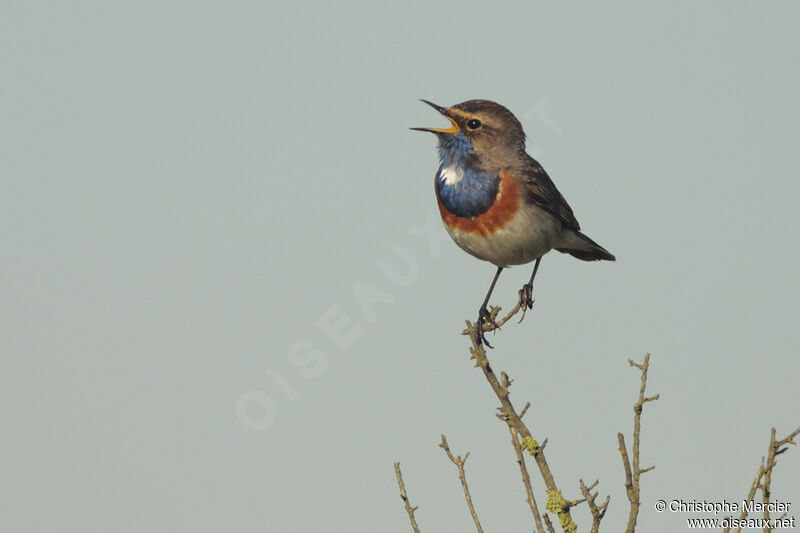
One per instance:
(540, 191)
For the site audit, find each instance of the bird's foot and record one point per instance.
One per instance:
(525, 299)
(485, 317)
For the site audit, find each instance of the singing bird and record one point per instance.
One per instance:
(496, 201)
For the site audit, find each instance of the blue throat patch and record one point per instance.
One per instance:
(476, 191)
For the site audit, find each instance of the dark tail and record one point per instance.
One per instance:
(578, 245)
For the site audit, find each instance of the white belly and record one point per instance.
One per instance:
(528, 236)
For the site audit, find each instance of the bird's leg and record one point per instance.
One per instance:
(484, 316)
(526, 292)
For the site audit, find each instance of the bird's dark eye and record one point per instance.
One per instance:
(474, 124)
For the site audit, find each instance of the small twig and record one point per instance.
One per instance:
(766, 486)
(410, 510)
(598, 511)
(526, 480)
(633, 497)
(750, 495)
(549, 524)
(763, 479)
(774, 450)
(459, 462)
(633, 473)
(787, 440)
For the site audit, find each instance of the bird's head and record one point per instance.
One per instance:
(481, 130)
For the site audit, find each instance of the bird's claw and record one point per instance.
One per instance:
(485, 317)
(525, 299)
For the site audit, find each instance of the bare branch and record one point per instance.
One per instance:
(560, 505)
(598, 511)
(775, 449)
(526, 480)
(750, 495)
(459, 462)
(632, 469)
(410, 510)
(763, 479)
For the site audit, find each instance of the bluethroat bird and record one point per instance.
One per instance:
(496, 201)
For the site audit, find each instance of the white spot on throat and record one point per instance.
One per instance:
(452, 174)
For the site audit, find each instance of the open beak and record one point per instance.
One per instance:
(452, 130)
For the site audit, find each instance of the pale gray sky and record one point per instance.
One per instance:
(192, 191)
